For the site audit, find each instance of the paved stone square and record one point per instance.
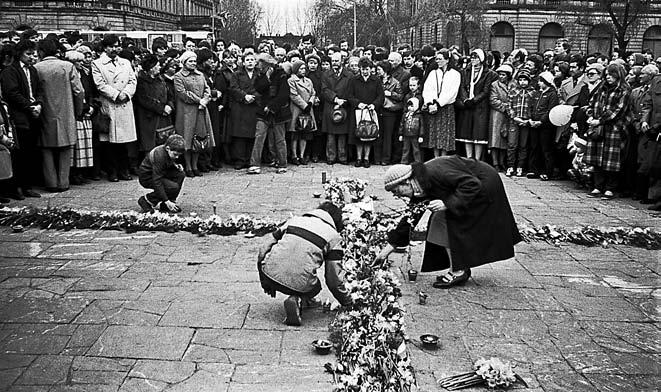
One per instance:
(87, 310)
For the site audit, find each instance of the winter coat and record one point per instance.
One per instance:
(299, 248)
(480, 224)
(499, 103)
(542, 103)
(368, 91)
(243, 115)
(568, 92)
(301, 95)
(273, 101)
(150, 98)
(651, 111)
(16, 92)
(609, 105)
(190, 87)
(334, 86)
(91, 93)
(391, 84)
(63, 102)
(111, 80)
(473, 115)
(402, 77)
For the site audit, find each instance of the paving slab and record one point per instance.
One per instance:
(97, 311)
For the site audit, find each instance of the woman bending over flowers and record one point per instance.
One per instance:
(471, 224)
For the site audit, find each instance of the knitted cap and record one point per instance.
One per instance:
(296, 65)
(523, 73)
(186, 56)
(415, 102)
(396, 175)
(547, 78)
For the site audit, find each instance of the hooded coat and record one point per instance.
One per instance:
(480, 224)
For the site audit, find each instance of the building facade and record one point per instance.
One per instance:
(536, 25)
(115, 15)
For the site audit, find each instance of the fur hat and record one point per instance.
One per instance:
(148, 62)
(286, 66)
(547, 78)
(339, 114)
(313, 56)
(396, 175)
(203, 55)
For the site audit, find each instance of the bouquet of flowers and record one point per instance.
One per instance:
(594, 236)
(341, 191)
(493, 372)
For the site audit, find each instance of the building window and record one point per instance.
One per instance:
(502, 37)
(548, 35)
(435, 32)
(652, 40)
(600, 39)
(450, 34)
(420, 38)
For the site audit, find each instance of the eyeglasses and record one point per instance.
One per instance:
(592, 73)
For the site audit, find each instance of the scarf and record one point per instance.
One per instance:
(474, 79)
(417, 189)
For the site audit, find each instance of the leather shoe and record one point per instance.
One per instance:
(366, 163)
(449, 280)
(113, 178)
(125, 177)
(30, 193)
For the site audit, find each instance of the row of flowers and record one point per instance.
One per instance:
(370, 337)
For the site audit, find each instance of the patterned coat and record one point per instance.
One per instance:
(609, 105)
(111, 80)
(63, 102)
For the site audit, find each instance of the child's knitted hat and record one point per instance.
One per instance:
(415, 102)
(523, 73)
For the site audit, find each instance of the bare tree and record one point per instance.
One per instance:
(624, 18)
(270, 19)
(242, 20)
(466, 15)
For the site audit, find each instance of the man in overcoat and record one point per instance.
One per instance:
(334, 89)
(22, 91)
(63, 102)
(243, 112)
(116, 81)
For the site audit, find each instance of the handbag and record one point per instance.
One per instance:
(101, 122)
(367, 129)
(305, 123)
(596, 133)
(200, 143)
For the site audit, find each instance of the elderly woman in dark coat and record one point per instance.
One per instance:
(473, 105)
(153, 104)
(471, 224)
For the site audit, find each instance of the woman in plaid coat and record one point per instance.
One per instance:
(609, 106)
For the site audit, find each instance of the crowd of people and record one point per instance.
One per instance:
(75, 111)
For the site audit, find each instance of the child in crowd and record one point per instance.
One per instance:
(580, 172)
(288, 261)
(160, 172)
(411, 131)
(520, 97)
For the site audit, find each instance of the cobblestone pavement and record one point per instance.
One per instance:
(104, 311)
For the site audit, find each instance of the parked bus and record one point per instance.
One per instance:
(143, 39)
